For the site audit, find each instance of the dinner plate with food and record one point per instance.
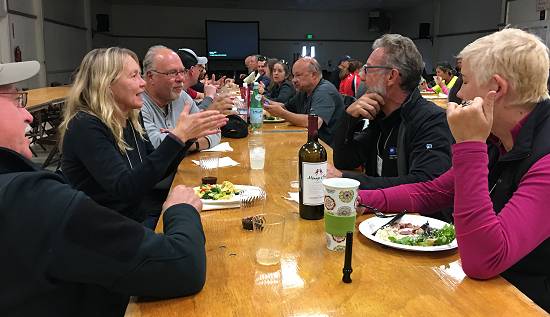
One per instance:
(225, 193)
(273, 120)
(268, 118)
(412, 233)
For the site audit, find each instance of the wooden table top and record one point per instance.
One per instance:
(308, 281)
(436, 98)
(42, 97)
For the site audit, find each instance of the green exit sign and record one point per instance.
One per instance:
(309, 36)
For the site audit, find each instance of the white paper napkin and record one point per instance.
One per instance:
(222, 147)
(208, 206)
(294, 196)
(224, 161)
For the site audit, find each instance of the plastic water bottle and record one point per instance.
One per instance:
(256, 110)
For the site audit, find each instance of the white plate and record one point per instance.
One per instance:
(278, 120)
(245, 191)
(368, 226)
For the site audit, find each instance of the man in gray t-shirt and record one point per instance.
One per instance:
(164, 96)
(315, 95)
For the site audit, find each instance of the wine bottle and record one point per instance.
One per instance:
(256, 109)
(312, 160)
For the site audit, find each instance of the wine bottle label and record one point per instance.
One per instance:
(256, 115)
(313, 175)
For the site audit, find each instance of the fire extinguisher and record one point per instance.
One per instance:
(17, 54)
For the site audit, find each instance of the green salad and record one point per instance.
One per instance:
(223, 191)
(408, 234)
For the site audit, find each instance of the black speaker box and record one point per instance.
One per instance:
(424, 30)
(102, 22)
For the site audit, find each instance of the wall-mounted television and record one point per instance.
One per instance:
(232, 40)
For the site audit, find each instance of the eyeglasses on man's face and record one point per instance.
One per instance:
(367, 67)
(20, 97)
(172, 74)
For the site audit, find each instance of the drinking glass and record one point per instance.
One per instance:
(268, 241)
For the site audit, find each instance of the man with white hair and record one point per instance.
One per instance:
(69, 256)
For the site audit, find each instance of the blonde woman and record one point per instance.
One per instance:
(500, 177)
(105, 151)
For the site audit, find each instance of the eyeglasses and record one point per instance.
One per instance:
(366, 68)
(261, 58)
(172, 73)
(21, 97)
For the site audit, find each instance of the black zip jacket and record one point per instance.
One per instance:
(68, 256)
(532, 273)
(420, 147)
(92, 163)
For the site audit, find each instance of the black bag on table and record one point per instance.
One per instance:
(235, 128)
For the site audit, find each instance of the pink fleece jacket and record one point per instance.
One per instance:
(488, 243)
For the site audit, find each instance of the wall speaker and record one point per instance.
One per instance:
(424, 30)
(102, 22)
(379, 21)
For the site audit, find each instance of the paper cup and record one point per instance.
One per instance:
(340, 206)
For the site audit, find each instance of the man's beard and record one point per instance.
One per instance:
(378, 89)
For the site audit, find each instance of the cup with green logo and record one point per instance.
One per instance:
(340, 204)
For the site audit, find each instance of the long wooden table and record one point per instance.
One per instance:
(308, 281)
(41, 98)
(45, 105)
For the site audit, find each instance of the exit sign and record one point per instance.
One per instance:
(309, 36)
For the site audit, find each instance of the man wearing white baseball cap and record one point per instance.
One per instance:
(69, 256)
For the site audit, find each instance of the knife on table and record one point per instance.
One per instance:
(391, 222)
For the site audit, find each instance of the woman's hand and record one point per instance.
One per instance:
(473, 122)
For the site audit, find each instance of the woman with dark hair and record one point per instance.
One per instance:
(350, 83)
(282, 89)
(445, 78)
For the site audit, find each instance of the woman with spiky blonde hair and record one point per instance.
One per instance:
(499, 183)
(105, 151)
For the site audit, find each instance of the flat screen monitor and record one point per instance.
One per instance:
(232, 40)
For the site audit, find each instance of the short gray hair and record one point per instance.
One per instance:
(313, 65)
(401, 53)
(149, 58)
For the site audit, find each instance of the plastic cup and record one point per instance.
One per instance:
(268, 241)
(340, 213)
(209, 163)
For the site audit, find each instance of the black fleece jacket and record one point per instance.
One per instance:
(420, 147)
(68, 256)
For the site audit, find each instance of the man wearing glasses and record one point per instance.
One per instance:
(69, 256)
(408, 139)
(165, 96)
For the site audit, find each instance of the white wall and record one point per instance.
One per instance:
(524, 14)
(24, 33)
(156, 24)
(64, 45)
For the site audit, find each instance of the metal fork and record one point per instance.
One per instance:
(377, 212)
